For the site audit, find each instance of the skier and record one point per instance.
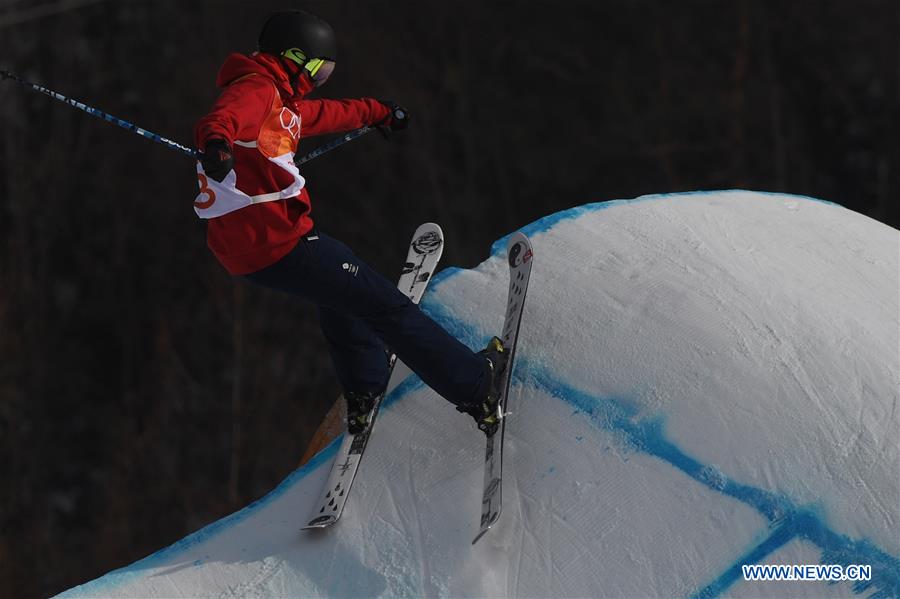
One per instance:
(259, 224)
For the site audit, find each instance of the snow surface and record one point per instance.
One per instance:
(703, 381)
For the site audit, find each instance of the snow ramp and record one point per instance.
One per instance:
(704, 381)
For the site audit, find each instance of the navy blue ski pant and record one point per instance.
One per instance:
(362, 313)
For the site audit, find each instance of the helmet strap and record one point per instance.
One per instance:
(292, 70)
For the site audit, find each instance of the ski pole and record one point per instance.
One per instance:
(356, 133)
(350, 136)
(103, 115)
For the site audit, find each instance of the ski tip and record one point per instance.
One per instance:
(320, 522)
(482, 533)
(487, 526)
(516, 238)
(428, 240)
(429, 227)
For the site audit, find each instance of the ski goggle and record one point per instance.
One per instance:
(319, 69)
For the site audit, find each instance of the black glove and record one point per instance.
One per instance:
(399, 118)
(217, 160)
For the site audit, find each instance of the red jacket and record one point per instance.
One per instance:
(257, 90)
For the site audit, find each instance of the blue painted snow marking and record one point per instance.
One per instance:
(441, 276)
(836, 549)
(648, 436)
(408, 385)
(787, 520)
(780, 536)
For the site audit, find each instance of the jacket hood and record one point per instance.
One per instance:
(283, 73)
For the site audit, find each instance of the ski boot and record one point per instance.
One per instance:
(485, 409)
(359, 405)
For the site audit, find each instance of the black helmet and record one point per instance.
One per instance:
(298, 29)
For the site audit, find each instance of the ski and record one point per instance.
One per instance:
(519, 255)
(421, 259)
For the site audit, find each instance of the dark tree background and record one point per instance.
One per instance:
(144, 393)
